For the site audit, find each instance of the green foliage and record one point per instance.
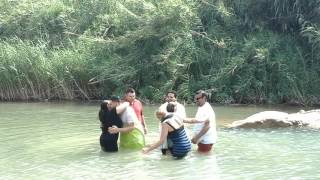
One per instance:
(239, 51)
(36, 21)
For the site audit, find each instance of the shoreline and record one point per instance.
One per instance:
(159, 103)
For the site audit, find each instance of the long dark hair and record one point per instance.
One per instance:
(103, 109)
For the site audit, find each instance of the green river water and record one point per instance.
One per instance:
(61, 141)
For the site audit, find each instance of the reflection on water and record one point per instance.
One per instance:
(60, 141)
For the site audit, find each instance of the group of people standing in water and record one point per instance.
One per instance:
(125, 117)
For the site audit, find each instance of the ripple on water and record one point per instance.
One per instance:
(62, 142)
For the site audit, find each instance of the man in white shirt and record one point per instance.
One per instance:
(172, 97)
(180, 112)
(205, 133)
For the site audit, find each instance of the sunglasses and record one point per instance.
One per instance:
(199, 98)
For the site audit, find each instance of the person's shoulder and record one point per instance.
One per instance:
(137, 101)
(129, 109)
(208, 107)
(179, 104)
(164, 104)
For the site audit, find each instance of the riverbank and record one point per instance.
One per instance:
(146, 102)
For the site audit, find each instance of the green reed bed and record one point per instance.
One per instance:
(239, 51)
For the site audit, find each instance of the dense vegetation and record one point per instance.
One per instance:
(246, 51)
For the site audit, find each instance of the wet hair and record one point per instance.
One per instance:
(160, 113)
(171, 107)
(172, 92)
(104, 105)
(130, 90)
(103, 109)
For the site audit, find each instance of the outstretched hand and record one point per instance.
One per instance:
(145, 130)
(194, 140)
(145, 150)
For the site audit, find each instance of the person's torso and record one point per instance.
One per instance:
(178, 136)
(204, 113)
(137, 107)
(128, 117)
(110, 118)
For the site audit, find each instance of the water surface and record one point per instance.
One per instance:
(60, 141)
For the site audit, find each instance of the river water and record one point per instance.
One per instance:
(61, 141)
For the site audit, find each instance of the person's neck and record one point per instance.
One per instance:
(130, 102)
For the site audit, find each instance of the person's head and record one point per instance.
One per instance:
(171, 107)
(104, 105)
(130, 95)
(171, 96)
(200, 97)
(115, 101)
(160, 114)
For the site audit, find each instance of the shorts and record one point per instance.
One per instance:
(132, 140)
(204, 147)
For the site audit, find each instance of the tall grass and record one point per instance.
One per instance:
(239, 51)
(30, 72)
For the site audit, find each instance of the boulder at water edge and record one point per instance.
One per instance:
(277, 119)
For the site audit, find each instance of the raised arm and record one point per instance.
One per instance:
(122, 107)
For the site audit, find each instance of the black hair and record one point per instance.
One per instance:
(130, 90)
(172, 92)
(103, 109)
(171, 107)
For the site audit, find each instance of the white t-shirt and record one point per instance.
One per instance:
(206, 112)
(180, 112)
(129, 116)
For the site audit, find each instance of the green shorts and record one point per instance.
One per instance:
(132, 140)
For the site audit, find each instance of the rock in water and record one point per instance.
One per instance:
(277, 119)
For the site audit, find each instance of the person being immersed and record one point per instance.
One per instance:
(109, 117)
(131, 134)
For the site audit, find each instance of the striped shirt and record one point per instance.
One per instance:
(181, 144)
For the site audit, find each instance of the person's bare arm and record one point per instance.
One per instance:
(143, 122)
(145, 129)
(163, 136)
(191, 120)
(122, 107)
(203, 131)
(115, 129)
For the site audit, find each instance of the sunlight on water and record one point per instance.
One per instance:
(60, 141)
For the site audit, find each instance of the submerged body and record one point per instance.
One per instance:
(109, 118)
(134, 137)
(180, 144)
(172, 129)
